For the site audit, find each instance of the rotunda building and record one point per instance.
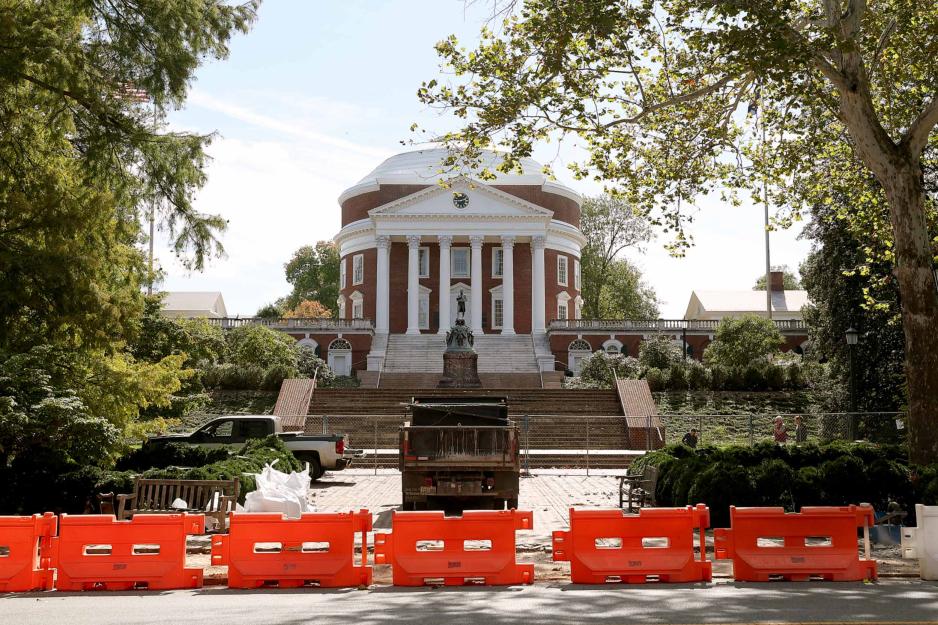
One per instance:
(410, 245)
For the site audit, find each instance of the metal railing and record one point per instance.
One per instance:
(660, 325)
(312, 323)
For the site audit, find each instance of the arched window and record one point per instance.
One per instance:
(340, 344)
(580, 345)
(577, 352)
(612, 346)
(340, 357)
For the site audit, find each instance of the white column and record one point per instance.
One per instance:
(508, 285)
(413, 285)
(476, 285)
(538, 322)
(445, 242)
(382, 324)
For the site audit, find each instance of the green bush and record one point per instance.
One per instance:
(241, 377)
(744, 341)
(659, 352)
(657, 378)
(698, 377)
(275, 375)
(309, 364)
(258, 346)
(753, 378)
(677, 377)
(795, 377)
(161, 455)
(789, 476)
(773, 377)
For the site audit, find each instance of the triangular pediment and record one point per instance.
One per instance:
(483, 201)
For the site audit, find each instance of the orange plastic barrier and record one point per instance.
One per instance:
(265, 549)
(96, 551)
(25, 542)
(817, 543)
(657, 544)
(426, 548)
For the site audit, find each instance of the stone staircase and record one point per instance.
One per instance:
(506, 354)
(555, 429)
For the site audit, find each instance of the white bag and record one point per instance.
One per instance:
(279, 492)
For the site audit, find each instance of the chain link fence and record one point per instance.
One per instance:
(612, 442)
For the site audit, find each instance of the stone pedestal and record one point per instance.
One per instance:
(460, 370)
(460, 360)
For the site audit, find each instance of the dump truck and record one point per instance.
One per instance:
(459, 453)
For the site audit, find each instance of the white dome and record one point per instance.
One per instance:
(424, 167)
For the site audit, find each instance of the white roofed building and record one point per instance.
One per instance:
(193, 304)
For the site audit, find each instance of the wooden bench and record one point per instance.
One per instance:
(155, 496)
(638, 488)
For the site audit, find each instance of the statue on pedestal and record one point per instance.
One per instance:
(460, 360)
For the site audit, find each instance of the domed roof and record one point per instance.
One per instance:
(424, 167)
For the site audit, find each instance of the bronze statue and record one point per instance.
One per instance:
(460, 306)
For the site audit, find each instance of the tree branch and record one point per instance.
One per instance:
(916, 137)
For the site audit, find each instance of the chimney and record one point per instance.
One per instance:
(776, 281)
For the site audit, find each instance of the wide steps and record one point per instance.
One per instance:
(423, 353)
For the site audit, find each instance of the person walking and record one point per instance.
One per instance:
(801, 431)
(690, 439)
(780, 432)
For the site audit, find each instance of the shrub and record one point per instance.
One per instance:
(743, 341)
(657, 379)
(241, 377)
(309, 364)
(718, 377)
(677, 377)
(161, 455)
(596, 371)
(753, 378)
(274, 377)
(773, 377)
(257, 345)
(698, 377)
(659, 352)
(795, 377)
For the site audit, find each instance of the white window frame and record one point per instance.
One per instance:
(562, 263)
(578, 307)
(423, 311)
(423, 258)
(495, 295)
(341, 302)
(452, 262)
(613, 343)
(563, 300)
(576, 275)
(358, 269)
(343, 277)
(498, 311)
(358, 305)
(498, 261)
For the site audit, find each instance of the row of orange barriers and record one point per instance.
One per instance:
(426, 548)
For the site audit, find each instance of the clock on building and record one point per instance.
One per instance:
(460, 200)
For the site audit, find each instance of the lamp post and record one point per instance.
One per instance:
(853, 338)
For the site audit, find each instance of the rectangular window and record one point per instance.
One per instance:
(423, 312)
(498, 313)
(342, 276)
(460, 262)
(358, 309)
(498, 262)
(561, 310)
(358, 269)
(576, 275)
(423, 262)
(562, 271)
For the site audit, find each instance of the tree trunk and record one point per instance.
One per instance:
(918, 291)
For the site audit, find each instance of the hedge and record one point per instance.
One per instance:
(43, 484)
(789, 476)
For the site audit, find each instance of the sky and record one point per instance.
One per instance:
(319, 93)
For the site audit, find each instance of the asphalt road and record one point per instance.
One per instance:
(884, 602)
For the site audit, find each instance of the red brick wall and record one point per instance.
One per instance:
(368, 288)
(552, 289)
(565, 209)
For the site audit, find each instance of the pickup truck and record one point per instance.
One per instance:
(322, 451)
